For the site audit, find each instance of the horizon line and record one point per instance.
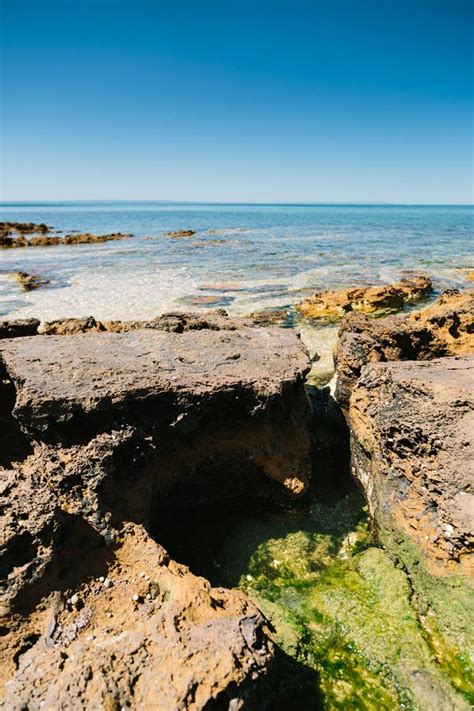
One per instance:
(358, 203)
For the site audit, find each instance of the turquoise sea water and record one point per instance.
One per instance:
(243, 257)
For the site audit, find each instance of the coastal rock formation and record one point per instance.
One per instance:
(333, 305)
(19, 327)
(104, 432)
(442, 329)
(272, 317)
(181, 233)
(412, 441)
(29, 282)
(177, 322)
(51, 240)
(7, 228)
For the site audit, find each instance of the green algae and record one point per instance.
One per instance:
(338, 604)
(445, 609)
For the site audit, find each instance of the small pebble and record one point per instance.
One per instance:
(249, 577)
(101, 579)
(109, 614)
(148, 596)
(108, 583)
(74, 599)
(136, 597)
(142, 574)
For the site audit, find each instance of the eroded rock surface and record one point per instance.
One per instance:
(178, 322)
(412, 435)
(116, 427)
(333, 305)
(445, 328)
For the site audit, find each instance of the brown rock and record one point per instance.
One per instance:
(272, 317)
(29, 282)
(50, 240)
(412, 434)
(444, 328)
(181, 233)
(333, 305)
(116, 427)
(178, 322)
(19, 327)
(7, 228)
(412, 428)
(72, 326)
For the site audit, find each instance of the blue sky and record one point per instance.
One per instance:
(277, 101)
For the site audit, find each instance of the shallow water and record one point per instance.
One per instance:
(243, 257)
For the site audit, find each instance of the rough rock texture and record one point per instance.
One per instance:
(50, 240)
(412, 441)
(178, 322)
(19, 327)
(107, 431)
(333, 305)
(442, 329)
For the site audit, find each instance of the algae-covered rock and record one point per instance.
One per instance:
(333, 305)
(340, 605)
(412, 427)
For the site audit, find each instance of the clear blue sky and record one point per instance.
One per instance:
(295, 100)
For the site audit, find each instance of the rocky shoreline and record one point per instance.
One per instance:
(108, 426)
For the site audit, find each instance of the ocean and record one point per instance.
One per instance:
(242, 258)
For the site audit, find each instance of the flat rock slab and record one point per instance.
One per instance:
(62, 380)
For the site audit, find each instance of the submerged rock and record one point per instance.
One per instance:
(103, 432)
(333, 305)
(29, 282)
(273, 317)
(412, 434)
(442, 329)
(181, 233)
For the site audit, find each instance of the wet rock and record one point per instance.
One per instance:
(333, 305)
(442, 329)
(51, 240)
(272, 317)
(118, 428)
(7, 228)
(181, 233)
(29, 282)
(412, 434)
(19, 327)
